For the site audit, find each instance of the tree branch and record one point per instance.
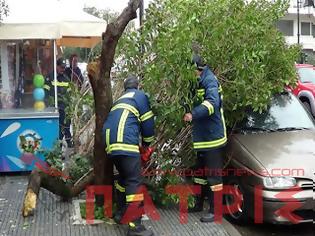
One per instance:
(112, 34)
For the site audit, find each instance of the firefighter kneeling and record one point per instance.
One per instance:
(129, 117)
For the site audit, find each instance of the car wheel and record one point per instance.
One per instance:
(307, 105)
(239, 216)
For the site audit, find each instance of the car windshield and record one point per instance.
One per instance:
(307, 74)
(284, 113)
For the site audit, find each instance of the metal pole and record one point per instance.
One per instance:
(141, 12)
(298, 21)
(55, 74)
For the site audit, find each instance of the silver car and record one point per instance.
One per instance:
(271, 164)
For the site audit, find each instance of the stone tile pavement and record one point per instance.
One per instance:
(55, 218)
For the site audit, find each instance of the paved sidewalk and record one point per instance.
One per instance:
(55, 218)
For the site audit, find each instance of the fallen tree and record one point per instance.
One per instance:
(237, 38)
(99, 75)
(241, 44)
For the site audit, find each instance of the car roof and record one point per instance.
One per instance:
(303, 66)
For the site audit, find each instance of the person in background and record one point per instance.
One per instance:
(74, 72)
(62, 86)
(209, 136)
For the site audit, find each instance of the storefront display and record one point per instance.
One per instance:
(20, 61)
(26, 125)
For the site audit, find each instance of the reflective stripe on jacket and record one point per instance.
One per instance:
(209, 129)
(62, 84)
(129, 118)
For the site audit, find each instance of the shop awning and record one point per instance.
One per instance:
(36, 19)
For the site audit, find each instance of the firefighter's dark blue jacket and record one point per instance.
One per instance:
(130, 117)
(209, 129)
(62, 84)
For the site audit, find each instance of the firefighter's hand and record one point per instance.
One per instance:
(188, 117)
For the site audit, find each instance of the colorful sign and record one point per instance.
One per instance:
(21, 140)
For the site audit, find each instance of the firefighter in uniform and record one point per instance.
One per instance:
(209, 136)
(129, 118)
(62, 84)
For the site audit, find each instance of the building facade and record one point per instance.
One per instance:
(289, 25)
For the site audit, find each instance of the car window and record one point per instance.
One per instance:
(285, 111)
(306, 74)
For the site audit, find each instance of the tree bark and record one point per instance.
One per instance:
(53, 184)
(30, 198)
(99, 75)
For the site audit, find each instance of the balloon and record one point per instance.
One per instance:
(39, 105)
(38, 81)
(39, 94)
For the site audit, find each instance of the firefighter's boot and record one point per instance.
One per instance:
(138, 229)
(199, 200)
(120, 203)
(209, 217)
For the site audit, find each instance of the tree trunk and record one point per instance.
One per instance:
(30, 198)
(99, 75)
(53, 184)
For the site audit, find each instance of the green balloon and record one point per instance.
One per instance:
(38, 81)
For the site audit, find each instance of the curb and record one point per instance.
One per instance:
(229, 228)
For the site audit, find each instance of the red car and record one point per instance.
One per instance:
(305, 89)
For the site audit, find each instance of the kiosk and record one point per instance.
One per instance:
(28, 123)
(30, 42)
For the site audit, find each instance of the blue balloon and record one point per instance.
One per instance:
(39, 94)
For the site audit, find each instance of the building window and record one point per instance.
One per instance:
(309, 3)
(306, 28)
(313, 30)
(286, 27)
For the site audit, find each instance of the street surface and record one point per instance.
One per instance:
(275, 230)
